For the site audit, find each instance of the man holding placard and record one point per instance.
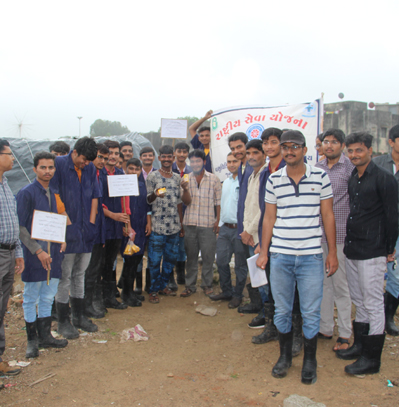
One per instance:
(38, 289)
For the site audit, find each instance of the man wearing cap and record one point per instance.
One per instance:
(295, 197)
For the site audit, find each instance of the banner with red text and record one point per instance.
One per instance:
(305, 117)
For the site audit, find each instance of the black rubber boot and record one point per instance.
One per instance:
(139, 283)
(79, 320)
(46, 340)
(109, 296)
(309, 367)
(32, 348)
(256, 302)
(359, 329)
(54, 315)
(391, 305)
(65, 328)
(284, 362)
(259, 321)
(297, 344)
(270, 332)
(147, 280)
(370, 359)
(90, 311)
(128, 296)
(172, 282)
(181, 272)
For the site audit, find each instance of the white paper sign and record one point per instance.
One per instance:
(173, 128)
(123, 185)
(48, 226)
(258, 275)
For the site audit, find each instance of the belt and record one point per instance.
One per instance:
(8, 246)
(231, 225)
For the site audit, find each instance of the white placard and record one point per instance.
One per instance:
(258, 275)
(48, 226)
(122, 185)
(173, 128)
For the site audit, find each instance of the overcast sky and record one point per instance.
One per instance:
(137, 62)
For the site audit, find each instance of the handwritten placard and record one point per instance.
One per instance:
(48, 226)
(123, 185)
(173, 128)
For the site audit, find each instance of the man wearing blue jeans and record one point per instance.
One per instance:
(295, 197)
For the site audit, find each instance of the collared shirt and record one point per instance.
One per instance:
(372, 227)
(204, 198)
(9, 226)
(252, 210)
(229, 202)
(145, 174)
(339, 175)
(243, 176)
(187, 169)
(297, 228)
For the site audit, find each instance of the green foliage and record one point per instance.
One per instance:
(104, 128)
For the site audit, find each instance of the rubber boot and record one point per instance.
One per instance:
(46, 340)
(109, 296)
(65, 328)
(256, 302)
(284, 362)
(359, 329)
(391, 305)
(32, 348)
(79, 320)
(309, 367)
(54, 315)
(98, 301)
(147, 280)
(172, 282)
(128, 296)
(370, 359)
(297, 344)
(270, 332)
(181, 272)
(90, 311)
(139, 282)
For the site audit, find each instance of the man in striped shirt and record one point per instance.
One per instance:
(295, 197)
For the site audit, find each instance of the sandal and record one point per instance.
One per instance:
(186, 293)
(167, 291)
(341, 341)
(154, 298)
(208, 290)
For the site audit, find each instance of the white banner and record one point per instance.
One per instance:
(305, 117)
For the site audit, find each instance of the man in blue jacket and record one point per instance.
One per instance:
(202, 139)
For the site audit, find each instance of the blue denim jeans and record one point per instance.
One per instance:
(393, 275)
(307, 272)
(165, 248)
(40, 294)
(182, 252)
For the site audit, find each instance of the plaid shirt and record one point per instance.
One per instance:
(339, 175)
(204, 198)
(9, 224)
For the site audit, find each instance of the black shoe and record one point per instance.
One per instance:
(79, 320)
(139, 284)
(90, 311)
(391, 305)
(46, 340)
(181, 272)
(256, 302)
(109, 297)
(297, 343)
(147, 280)
(220, 297)
(284, 362)
(259, 321)
(54, 312)
(65, 328)
(359, 329)
(98, 300)
(32, 349)
(309, 367)
(270, 332)
(370, 359)
(172, 282)
(128, 296)
(235, 302)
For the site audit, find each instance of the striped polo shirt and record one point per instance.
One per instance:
(297, 229)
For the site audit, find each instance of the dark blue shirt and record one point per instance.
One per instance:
(198, 145)
(242, 194)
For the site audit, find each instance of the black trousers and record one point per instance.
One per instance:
(111, 250)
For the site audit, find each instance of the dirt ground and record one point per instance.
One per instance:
(189, 360)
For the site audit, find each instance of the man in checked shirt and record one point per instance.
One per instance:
(11, 256)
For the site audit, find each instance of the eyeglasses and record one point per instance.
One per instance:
(333, 142)
(293, 147)
(8, 154)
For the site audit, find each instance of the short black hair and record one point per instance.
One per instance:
(238, 137)
(320, 136)
(112, 144)
(102, 148)
(337, 133)
(87, 147)
(3, 143)
(147, 150)
(42, 155)
(256, 143)
(125, 143)
(197, 153)
(134, 161)
(122, 156)
(271, 131)
(60, 147)
(359, 137)
(182, 146)
(204, 128)
(394, 132)
(166, 149)
(230, 153)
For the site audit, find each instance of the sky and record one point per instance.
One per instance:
(138, 62)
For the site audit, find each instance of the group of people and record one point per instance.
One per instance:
(323, 233)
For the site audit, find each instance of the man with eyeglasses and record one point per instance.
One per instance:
(295, 197)
(335, 289)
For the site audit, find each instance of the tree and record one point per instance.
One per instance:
(103, 128)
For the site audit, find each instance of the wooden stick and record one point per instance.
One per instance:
(48, 270)
(48, 376)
